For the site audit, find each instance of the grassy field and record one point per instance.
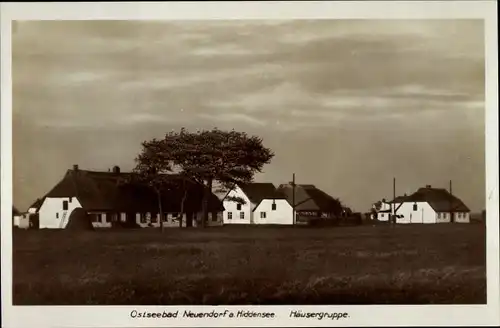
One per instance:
(431, 264)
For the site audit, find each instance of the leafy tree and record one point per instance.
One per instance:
(206, 156)
(152, 170)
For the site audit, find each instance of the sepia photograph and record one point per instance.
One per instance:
(248, 162)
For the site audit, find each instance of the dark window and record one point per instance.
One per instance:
(229, 215)
(242, 215)
(70, 199)
(273, 207)
(96, 217)
(57, 215)
(238, 207)
(65, 205)
(415, 207)
(154, 218)
(262, 215)
(214, 217)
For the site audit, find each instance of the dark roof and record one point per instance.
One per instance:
(257, 191)
(399, 199)
(37, 203)
(15, 211)
(310, 198)
(112, 191)
(439, 199)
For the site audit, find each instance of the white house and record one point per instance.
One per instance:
(17, 218)
(381, 211)
(105, 199)
(430, 205)
(261, 204)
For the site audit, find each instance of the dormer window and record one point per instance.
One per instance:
(65, 205)
(273, 207)
(238, 207)
(415, 207)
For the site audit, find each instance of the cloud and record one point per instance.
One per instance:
(232, 118)
(311, 89)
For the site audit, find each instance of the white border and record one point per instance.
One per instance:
(115, 316)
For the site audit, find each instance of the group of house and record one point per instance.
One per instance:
(108, 199)
(426, 205)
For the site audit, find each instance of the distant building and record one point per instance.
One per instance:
(109, 198)
(430, 205)
(381, 211)
(258, 203)
(311, 202)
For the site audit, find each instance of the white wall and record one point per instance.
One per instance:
(51, 212)
(462, 217)
(104, 220)
(172, 221)
(423, 214)
(24, 221)
(384, 206)
(282, 215)
(231, 207)
(17, 219)
(442, 217)
(383, 216)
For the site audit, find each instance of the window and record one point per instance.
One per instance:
(143, 218)
(238, 207)
(214, 217)
(71, 199)
(262, 215)
(154, 218)
(229, 215)
(439, 215)
(57, 215)
(96, 218)
(65, 205)
(415, 207)
(242, 215)
(273, 207)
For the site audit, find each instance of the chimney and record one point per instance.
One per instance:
(75, 167)
(116, 169)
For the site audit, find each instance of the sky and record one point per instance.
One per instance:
(346, 105)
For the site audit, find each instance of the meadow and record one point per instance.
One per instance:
(417, 264)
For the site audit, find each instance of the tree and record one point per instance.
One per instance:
(153, 170)
(229, 157)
